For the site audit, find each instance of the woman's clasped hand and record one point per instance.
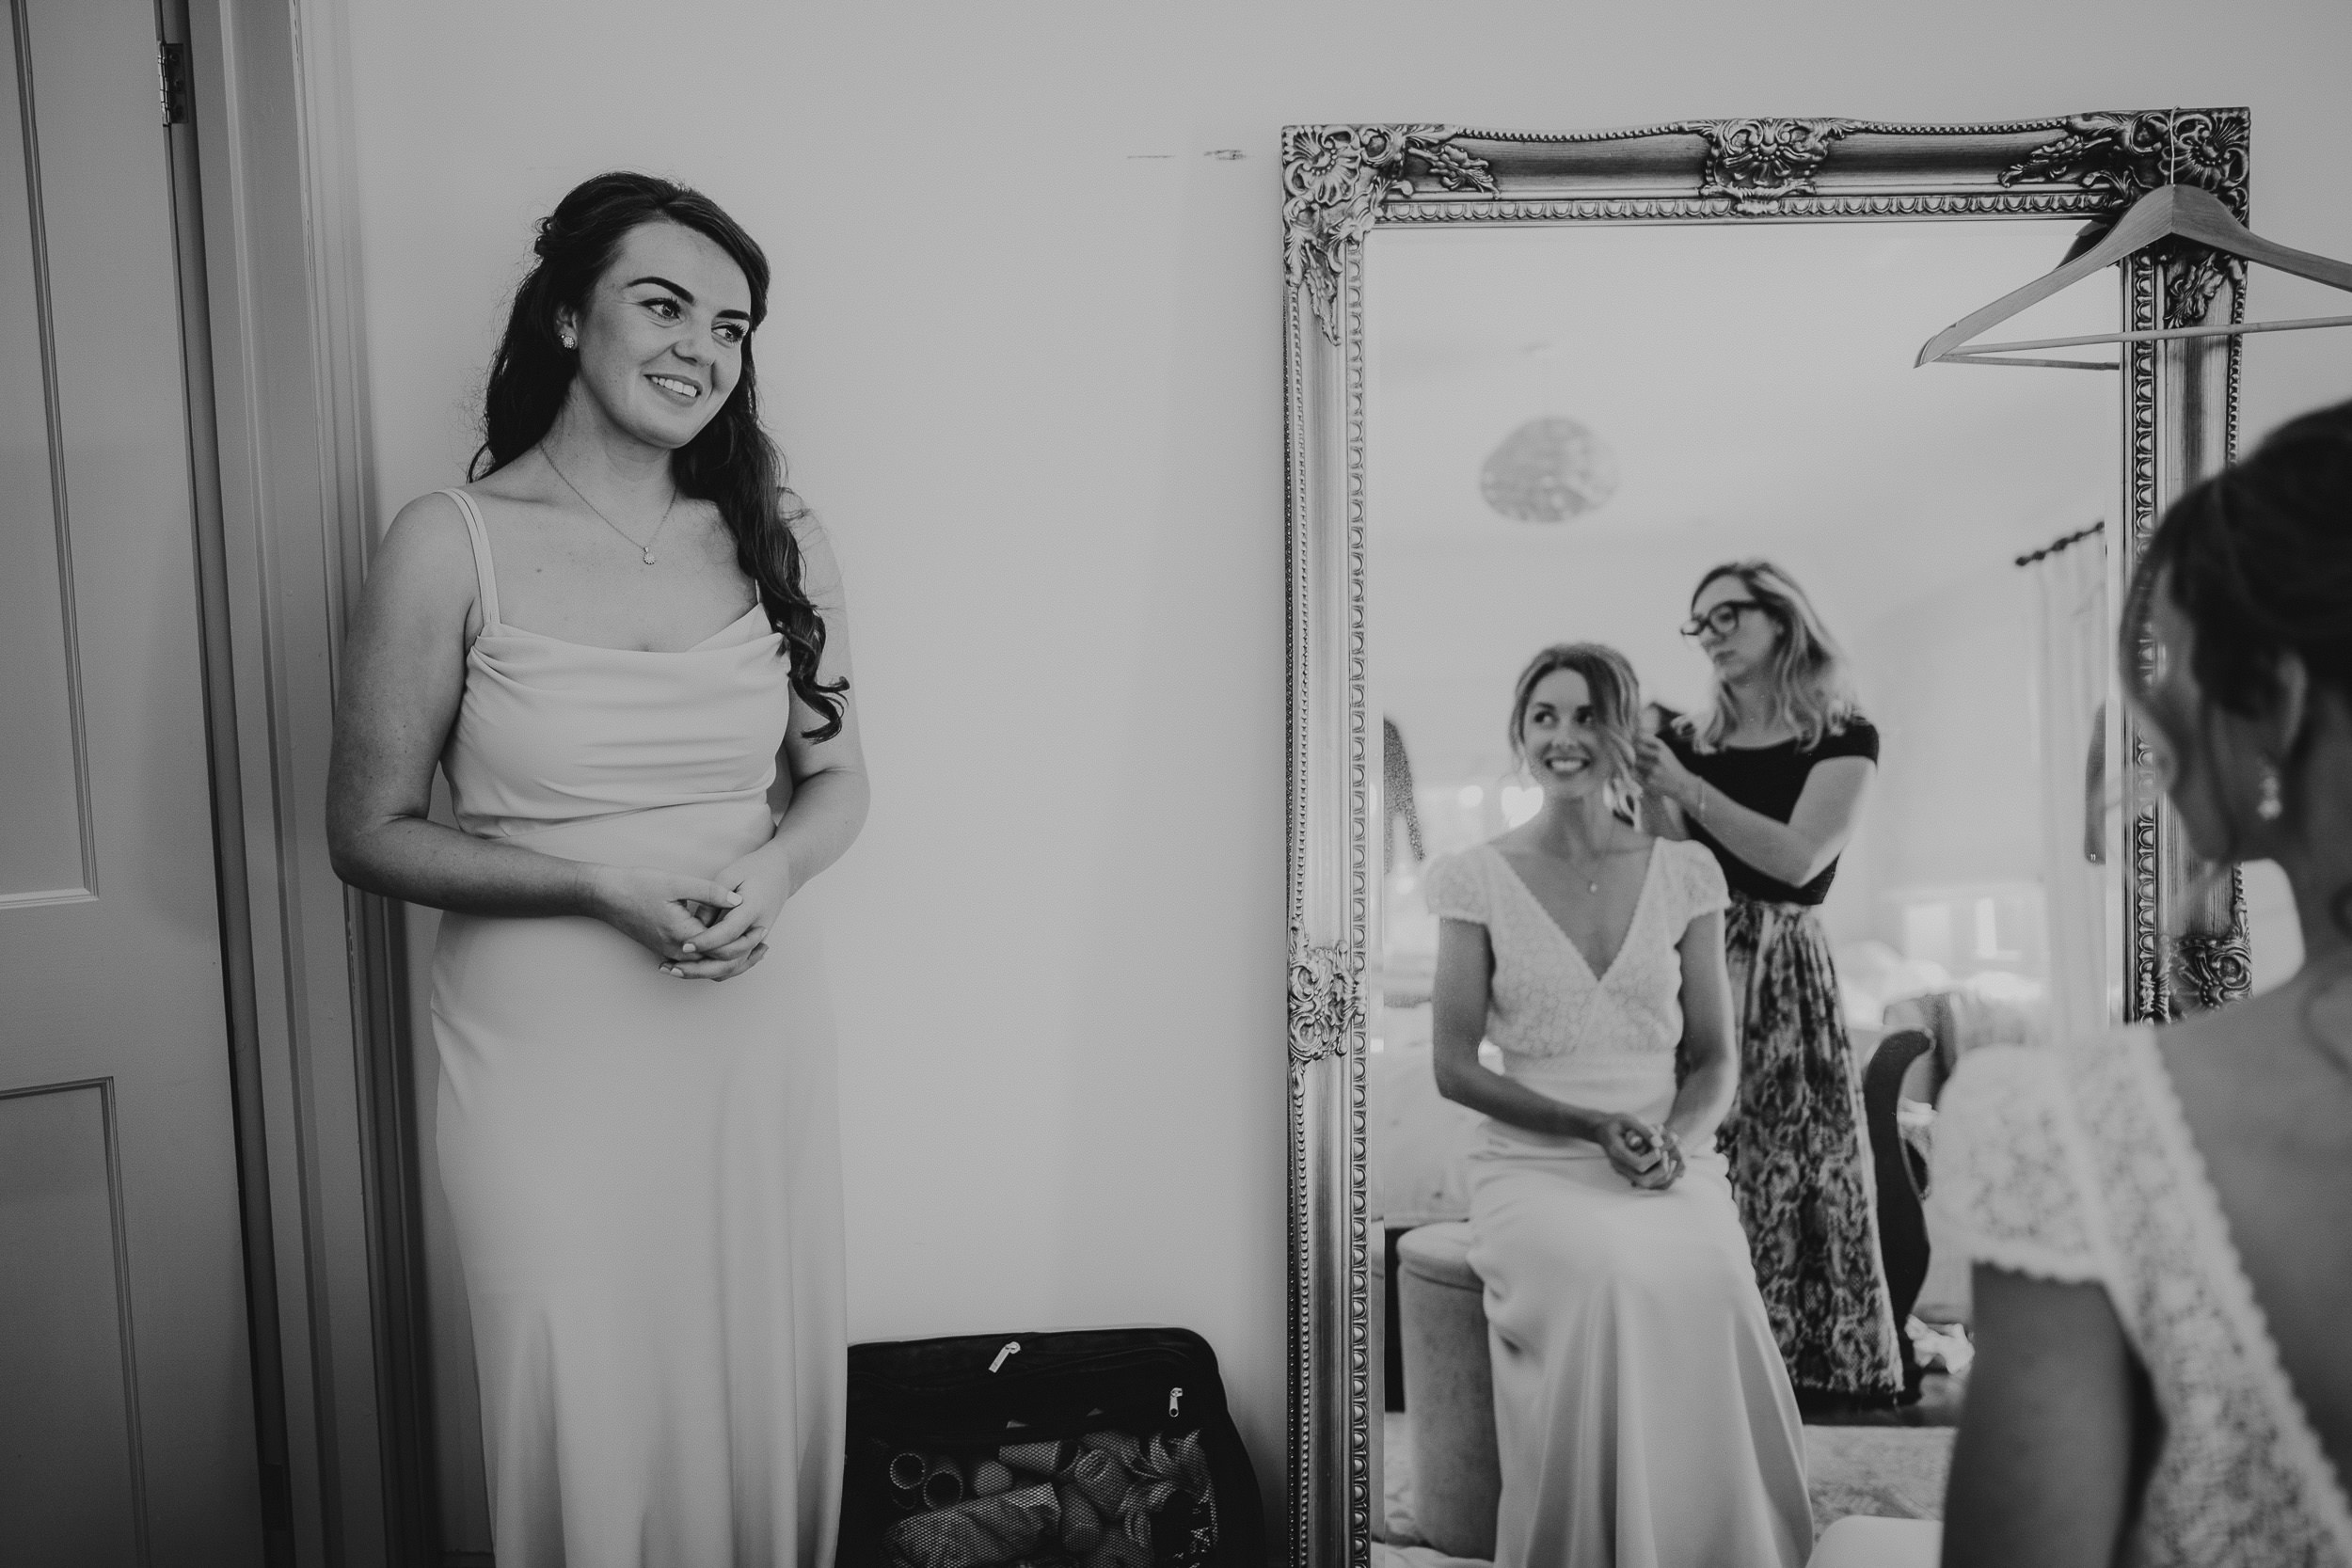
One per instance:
(734, 938)
(1646, 1154)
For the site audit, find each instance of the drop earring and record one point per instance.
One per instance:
(2272, 805)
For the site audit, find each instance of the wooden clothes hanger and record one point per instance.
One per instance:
(2185, 210)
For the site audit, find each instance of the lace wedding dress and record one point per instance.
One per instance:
(1643, 1417)
(2075, 1163)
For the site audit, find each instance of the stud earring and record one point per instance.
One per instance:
(568, 341)
(2272, 805)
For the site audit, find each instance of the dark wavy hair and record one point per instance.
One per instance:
(729, 463)
(2259, 559)
(1616, 697)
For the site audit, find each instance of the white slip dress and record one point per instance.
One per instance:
(645, 1172)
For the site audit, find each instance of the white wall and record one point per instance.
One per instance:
(1026, 357)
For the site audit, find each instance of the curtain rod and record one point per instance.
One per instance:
(2057, 545)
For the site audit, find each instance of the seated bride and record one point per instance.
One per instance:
(1642, 1411)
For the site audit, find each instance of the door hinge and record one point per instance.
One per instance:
(171, 82)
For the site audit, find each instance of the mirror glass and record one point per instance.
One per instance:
(1568, 427)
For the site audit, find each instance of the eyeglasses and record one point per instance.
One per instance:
(1722, 620)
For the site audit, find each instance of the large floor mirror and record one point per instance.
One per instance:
(1539, 385)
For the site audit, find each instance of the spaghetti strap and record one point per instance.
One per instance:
(486, 574)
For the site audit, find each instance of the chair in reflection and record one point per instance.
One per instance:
(1901, 1176)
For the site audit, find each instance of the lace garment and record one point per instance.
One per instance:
(2075, 1163)
(1544, 999)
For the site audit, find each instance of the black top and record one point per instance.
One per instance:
(1767, 779)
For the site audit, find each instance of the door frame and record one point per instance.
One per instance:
(314, 972)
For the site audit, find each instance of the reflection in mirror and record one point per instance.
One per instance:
(1567, 430)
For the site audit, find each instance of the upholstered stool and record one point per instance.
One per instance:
(1449, 1390)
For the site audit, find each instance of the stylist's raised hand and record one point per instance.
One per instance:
(1662, 772)
(662, 912)
(761, 880)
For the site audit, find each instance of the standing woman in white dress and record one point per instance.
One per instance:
(1643, 1414)
(2161, 1218)
(623, 642)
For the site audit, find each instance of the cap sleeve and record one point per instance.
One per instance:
(2012, 1183)
(1452, 889)
(1699, 879)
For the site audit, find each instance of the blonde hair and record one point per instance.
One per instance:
(1617, 703)
(1806, 677)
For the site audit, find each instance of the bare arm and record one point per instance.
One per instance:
(1794, 852)
(2043, 1467)
(1708, 1053)
(819, 799)
(1458, 1005)
(830, 789)
(403, 674)
(1458, 1022)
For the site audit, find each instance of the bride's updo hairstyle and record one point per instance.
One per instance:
(1616, 700)
(2258, 559)
(730, 462)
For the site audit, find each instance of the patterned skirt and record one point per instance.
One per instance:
(1800, 1164)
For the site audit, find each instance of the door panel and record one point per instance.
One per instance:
(122, 1325)
(69, 1450)
(44, 829)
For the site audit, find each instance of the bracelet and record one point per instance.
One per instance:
(1702, 800)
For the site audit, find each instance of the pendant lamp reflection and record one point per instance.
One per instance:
(1548, 470)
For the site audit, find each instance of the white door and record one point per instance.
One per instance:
(126, 1404)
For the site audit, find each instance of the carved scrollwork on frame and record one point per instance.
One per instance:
(2211, 971)
(1757, 163)
(2131, 155)
(1326, 1000)
(1335, 179)
(2194, 277)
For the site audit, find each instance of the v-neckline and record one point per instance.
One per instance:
(2234, 1287)
(1640, 901)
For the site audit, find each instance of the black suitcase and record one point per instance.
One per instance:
(1087, 1448)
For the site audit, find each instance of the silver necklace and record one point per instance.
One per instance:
(647, 549)
(1592, 885)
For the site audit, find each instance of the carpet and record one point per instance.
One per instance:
(1886, 1471)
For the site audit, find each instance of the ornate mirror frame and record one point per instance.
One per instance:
(2184, 942)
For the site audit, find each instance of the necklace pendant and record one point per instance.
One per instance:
(649, 558)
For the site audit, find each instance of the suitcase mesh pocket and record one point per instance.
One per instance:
(1109, 1499)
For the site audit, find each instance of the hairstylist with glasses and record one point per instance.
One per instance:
(1772, 779)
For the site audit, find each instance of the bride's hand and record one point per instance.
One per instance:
(738, 938)
(1670, 1165)
(1633, 1145)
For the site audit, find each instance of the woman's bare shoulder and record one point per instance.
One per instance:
(425, 560)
